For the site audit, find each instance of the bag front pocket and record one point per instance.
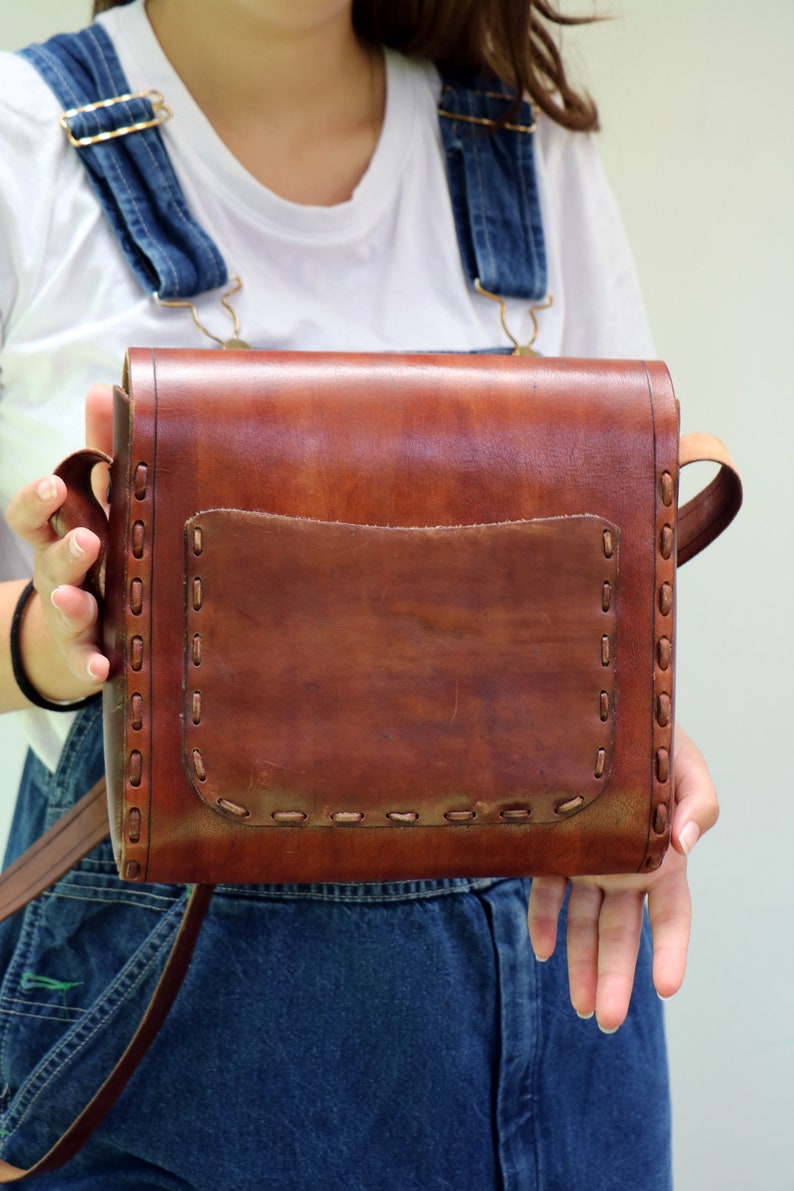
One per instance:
(362, 675)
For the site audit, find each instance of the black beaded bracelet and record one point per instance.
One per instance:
(22, 680)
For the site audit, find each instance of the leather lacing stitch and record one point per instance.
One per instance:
(197, 599)
(604, 703)
(136, 660)
(351, 817)
(663, 707)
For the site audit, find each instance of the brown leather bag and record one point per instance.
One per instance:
(393, 617)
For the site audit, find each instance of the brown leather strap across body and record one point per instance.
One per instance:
(381, 618)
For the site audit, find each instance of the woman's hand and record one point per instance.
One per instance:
(605, 913)
(60, 634)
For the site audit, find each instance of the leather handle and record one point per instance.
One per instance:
(71, 838)
(81, 507)
(706, 515)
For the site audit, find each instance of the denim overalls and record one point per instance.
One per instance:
(327, 1038)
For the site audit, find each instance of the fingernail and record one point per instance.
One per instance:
(55, 605)
(604, 1029)
(689, 837)
(75, 549)
(542, 959)
(94, 677)
(585, 1016)
(47, 489)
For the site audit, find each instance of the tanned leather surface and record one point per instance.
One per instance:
(396, 443)
(388, 673)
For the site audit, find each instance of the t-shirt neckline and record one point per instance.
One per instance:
(190, 133)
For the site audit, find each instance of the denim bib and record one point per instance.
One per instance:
(490, 170)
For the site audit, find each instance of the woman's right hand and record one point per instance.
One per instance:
(60, 634)
(60, 631)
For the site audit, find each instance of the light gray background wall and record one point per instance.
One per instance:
(697, 140)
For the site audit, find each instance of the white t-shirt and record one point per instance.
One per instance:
(381, 271)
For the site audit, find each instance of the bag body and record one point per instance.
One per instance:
(389, 617)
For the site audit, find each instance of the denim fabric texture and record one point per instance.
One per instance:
(395, 1037)
(345, 1038)
(169, 253)
(492, 179)
(494, 189)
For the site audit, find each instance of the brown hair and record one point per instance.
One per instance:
(505, 38)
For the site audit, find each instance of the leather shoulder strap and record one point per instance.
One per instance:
(706, 515)
(59, 849)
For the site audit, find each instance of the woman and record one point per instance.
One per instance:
(375, 1036)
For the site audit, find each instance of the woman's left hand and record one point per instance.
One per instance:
(605, 913)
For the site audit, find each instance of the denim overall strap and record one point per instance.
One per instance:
(491, 173)
(169, 253)
(493, 186)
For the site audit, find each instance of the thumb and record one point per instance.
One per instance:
(696, 803)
